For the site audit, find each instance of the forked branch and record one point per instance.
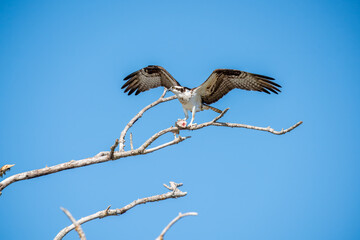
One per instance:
(143, 149)
(174, 192)
(77, 226)
(139, 115)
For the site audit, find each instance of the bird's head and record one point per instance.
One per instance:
(177, 89)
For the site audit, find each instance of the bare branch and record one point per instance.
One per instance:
(174, 193)
(156, 136)
(143, 149)
(104, 157)
(214, 122)
(267, 129)
(175, 141)
(181, 215)
(173, 186)
(131, 142)
(221, 115)
(77, 226)
(139, 115)
(112, 149)
(238, 125)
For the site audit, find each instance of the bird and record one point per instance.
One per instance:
(218, 84)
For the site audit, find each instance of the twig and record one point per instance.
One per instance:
(77, 226)
(173, 186)
(181, 215)
(221, 115)
(112, 149)
(215, 122)
(143, 149)
(139, 115)
(267, 129)
(175, 141)
(108, 208)
(174, 193)
(131, 142)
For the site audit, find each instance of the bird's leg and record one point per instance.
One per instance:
(186, 114)
(182, 122)
(193, 111)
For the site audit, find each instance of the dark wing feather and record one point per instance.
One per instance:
(222, 81)
(147, 78)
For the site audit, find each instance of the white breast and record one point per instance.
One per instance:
(189, 99)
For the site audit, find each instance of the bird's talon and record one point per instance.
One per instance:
(181, 123)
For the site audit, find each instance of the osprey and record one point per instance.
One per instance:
(218, 84)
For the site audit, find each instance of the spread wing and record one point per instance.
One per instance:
(147, 78)
(222, 81)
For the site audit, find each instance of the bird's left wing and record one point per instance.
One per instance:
(222, 81)
(147, 78)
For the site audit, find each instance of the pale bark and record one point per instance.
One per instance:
(173, 193)
(143, 149)
(181, 215)
(77, 226)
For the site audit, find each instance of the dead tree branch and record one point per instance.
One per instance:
(267, 129)
(139, 115)
(131, 142)
(77, 226)
(181, 215)
(173, 193)
(143, 149)
(112, 149)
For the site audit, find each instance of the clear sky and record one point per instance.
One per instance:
(61, 70)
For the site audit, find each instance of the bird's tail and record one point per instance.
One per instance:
(212, 108)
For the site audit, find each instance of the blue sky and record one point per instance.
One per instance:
(61, 69)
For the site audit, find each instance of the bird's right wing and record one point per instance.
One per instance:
(147, 78)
